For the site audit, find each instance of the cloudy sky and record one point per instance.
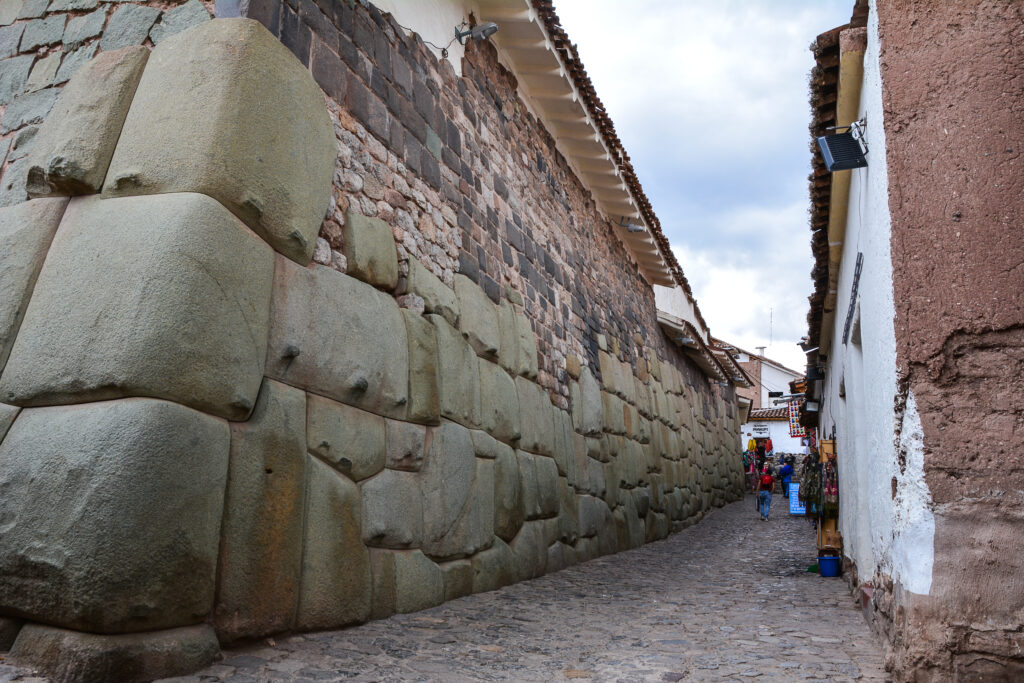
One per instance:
(710, 99)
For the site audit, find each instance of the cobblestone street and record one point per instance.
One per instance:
(727, 599)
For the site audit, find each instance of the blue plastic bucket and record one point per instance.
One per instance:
(828, 566)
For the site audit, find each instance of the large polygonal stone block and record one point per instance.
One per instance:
(110, 515)
(508, 497)
(370, 251)
(336, 588)
(26, 231)
(226, 110)
(350, 439)
(458, 579)
(494, 567)
(458, 376)
(68, 656)
(424, 391)
(164, 296)
(419, 583)
(261, 541)
(535, 417)
(478, 319)
(392, 510)
(530, 550)
(72, 150)
(590, 404)
(457, 520)
(526, 354)
(547, 486)
(437, 297)
(336, 336)
(499, 404)
(382, 571)
(405, 445)
(508, 335)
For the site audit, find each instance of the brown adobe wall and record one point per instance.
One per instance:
(952, 85)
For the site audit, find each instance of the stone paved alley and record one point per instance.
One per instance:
(727, 599)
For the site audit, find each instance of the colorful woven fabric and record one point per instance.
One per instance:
(795, 428)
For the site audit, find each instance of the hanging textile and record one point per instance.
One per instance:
(830, 486)
(768, 445)
(795, 428)
(751, 445)
(810, 493)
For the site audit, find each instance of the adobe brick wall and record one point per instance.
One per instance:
(953, 120)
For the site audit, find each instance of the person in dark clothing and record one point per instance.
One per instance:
(764, 493)
(786, 475)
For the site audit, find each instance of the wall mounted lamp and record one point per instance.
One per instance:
(631, 227)
(811, 406)
(815, 373)
(478, 32)
(846, 150)
(686, 341)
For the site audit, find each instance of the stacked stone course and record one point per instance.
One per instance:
(244, 432)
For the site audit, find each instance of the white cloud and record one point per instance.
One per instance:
(710, 99)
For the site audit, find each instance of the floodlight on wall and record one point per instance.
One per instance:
(478, 32)
(686, 341)
(815, 373)
(846, 150)
(631, 227)
(811, 406)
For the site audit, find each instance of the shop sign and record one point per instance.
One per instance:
(760, 429)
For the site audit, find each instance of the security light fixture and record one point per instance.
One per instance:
(774, 394)
(846, 150)
(478, 32)
(685, 341)
(630, 226)
(815, 373)
(811, 406)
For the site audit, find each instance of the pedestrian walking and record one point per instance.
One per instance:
(786, 475)
(764, 492)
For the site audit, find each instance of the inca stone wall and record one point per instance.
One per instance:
(208, 435)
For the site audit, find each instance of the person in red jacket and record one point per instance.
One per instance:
(764, 492)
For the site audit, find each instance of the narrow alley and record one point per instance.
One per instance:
(726, 599)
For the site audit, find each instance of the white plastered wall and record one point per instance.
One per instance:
(880, 530)
(778, 431)
(673, 300)
(434, 20)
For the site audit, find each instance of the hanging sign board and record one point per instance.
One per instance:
(795, 506)
(760, 429)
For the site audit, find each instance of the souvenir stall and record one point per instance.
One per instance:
(819, 494)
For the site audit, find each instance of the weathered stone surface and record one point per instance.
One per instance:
(129, 25)
(535, 417)
(529, 490)
(75, 143)
(7, 415)
(437, 298)
(508, 335)
(526, 355)
(338, 337)
(68, 656)
(612, 415)
(478, 319)
(370, 251)
(494, 567)
(81, 28)
(458, 375)
(485, 445)
(261, 540)
(10, 36)
(43, 72)
(456, 521)
(335, 586)
(572, 366)
(9, 628)
(70, 5)
(547, 486)
(405, 445)
(350, 439)
(111, 515)
(176, 20)
(28, 108)
(508, 497)
(424, 391)
(530, 550)
(590, 408)
(14, 74)
(30, 9)
(419, 583)
(382, 570)
(164, 296)
(26, 231)
(41, 32)
(458, 579)
(392, 510)
(560, 556)
(499, 403)
(12, 190)
(242, 83)
(9, 10)
(75, 60)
